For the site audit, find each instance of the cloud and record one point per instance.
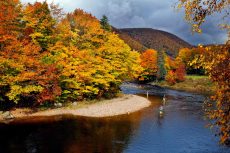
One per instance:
(146, 13)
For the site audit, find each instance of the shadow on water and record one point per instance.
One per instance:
(70, 136)
(181, 129)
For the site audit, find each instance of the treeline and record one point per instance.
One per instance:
(160, 66)
(49, 56)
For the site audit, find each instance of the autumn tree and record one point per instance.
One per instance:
(39, 24)
(91, 35)
(170, 63)
(187, 55)
(49, 57)
(23, 75)
(92, 62)
(180, 72)
(175, 70)
(184, 55)
(149, 63)
(9, 22)
(214, 59)
(171, 77)
(197, 11)
(17, 55)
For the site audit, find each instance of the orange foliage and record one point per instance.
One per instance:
(171, 77)
(51, 57)
(149, 61)
(215, 60)
(187, 55)
(9, 16)
(88, 29)
(176, 70)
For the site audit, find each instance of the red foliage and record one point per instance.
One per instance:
(49, 80)
(180, 73)
(9, 15)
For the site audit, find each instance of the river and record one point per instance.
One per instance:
(181, 129)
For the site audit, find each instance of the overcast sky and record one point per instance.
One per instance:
(146, 13)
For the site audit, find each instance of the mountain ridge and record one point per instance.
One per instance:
(141, 39)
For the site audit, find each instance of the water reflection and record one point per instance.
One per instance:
(181, 129)
(81, 135)
(160, 119)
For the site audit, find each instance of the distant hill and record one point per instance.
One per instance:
(143, 38)
(134, 44)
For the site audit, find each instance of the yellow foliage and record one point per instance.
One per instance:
(17, 91)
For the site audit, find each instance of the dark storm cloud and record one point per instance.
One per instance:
(147, 13)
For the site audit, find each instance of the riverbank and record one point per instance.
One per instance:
(195, 84)
(105, 108)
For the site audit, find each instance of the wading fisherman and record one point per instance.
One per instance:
(164, 100)
(161, 110)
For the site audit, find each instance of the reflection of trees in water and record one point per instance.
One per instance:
(79, 135)
(102, 136)
(70, 136)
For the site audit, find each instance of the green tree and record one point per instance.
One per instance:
(105, 23)
(161, 65)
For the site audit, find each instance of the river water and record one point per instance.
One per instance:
(181, 129)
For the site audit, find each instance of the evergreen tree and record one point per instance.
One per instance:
(105, 23)
(161, 65)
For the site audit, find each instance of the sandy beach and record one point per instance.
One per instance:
(106, 108)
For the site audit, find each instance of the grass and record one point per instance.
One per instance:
(192, 83)
(196, 77)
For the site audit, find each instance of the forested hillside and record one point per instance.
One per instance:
(155, 39)
(134, 44)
